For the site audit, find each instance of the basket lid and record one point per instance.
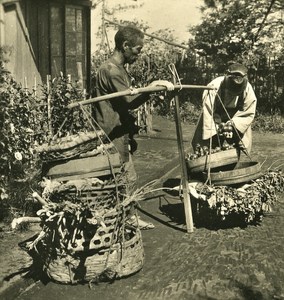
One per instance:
(69, 141)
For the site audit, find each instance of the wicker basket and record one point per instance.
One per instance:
(120, 260)
(64, 269)
(102, 235)
(222, 158)
(100, 197)
(78, 168)
(70, 146)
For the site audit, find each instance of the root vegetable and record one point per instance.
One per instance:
(17, 221)
(39, 198)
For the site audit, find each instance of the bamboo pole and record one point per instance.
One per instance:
(152, 36)
(26, 85)
(103, 24)
(148, 89)
(185, 188)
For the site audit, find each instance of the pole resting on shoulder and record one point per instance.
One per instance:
(130, 92)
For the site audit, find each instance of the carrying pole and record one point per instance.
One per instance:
(184, 181)
(129, 92)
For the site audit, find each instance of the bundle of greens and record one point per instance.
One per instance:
(249, 201)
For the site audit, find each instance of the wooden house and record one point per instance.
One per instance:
(46, 37)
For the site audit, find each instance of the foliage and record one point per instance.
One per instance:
(18, 122)
(248, 203)
(65, 121)
(24, 124)
(269, 123)
(249, 32)
(233, 30)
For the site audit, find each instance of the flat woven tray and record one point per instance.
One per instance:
(239, 173)
(70, 146)
(222, 158)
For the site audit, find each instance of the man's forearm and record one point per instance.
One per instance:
(138, 100)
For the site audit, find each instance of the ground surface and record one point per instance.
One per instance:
(206, 264)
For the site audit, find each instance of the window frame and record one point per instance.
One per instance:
(85, 54)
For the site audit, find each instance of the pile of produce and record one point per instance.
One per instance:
(76, 228)
(226, 129)
(248, 202)
(201, 151)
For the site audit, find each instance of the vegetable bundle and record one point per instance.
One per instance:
(249, 201)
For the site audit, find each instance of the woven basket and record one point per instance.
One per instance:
(222, 158)
(87, 167)
(100, 197)
(120, 259)
(132, 256)
(104, 234)
(69, 153)
(69, 147)
(64, 269)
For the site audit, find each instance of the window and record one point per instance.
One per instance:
(59, 35)
(68, 36)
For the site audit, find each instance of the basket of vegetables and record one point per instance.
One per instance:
(203, 159)
(121, 259)
(80, 226)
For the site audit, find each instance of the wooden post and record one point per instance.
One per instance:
(35, 85)
(48, 77)
(185, 189)
(80, 75)
(26, 85)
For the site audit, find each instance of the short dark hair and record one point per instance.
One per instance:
(128, 33)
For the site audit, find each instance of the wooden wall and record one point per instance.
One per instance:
(31, 31)
(22, 60)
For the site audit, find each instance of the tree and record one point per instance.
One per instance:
(240, 30)
(250, 32)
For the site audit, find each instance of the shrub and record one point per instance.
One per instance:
(24, 124)
(269, 123)
(17, 159)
